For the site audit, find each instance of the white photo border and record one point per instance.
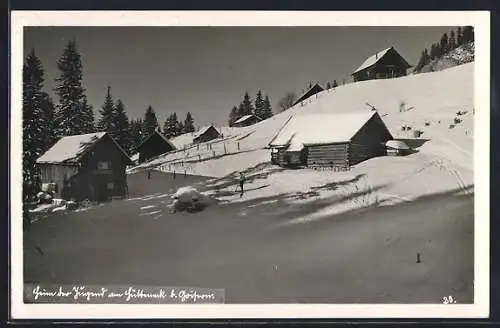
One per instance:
(479, 19)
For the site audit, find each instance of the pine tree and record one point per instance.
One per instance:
(108, 117)
(180, 128)
(171, 126)
(444, 44)
(452, 42)
(233, 115)
(48, 134)
(259, 105)
(73, 114)
(335, 84)
(427, 58)
(188, 123)
(328, 86)
(247, 105)
(135, 133)
(150, 123)
(460, 39)
(421, 62)
(241, 110)
(268, 112)
(88, 117)
(468, 34)
(121, 126)
(33, 123)
(439, 51)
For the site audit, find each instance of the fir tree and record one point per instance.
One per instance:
(444, 44)
(121, 126)
(171, 126)
(328, 86)
(421, 62)
(73, 114)
(188, 123)
(135, 133)
(233, 115)
(48, 134)
(150, 123)
(259, 105)
(468, 34)
(460, 39)
(180, 128)
(108, 117)
(247, 108)
(335, 84)
(452, 42)
(268, 112)
(33, 123)
(427, 58)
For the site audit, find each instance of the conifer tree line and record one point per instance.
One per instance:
(45, 121)
(448, 42)
(260, 107)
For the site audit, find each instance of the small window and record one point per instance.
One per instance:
(111, 185)
(103, 165)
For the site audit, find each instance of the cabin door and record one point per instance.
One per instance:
(102, 190)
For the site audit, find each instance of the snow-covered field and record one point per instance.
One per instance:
(428, 102)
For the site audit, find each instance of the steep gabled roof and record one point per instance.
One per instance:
(372, 60)
(161, 136)
(316, 88)
(204, 130)
(316, 129)
(245, 118)
(71, 149)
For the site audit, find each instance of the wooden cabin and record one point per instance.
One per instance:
(89, 166)
(205, 134)
(385, 64)
(247, 120)
(154, 145)
(309, 93)
(335, 141)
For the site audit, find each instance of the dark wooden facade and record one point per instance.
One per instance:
(368, 142)
(309, 93)
(98, 175)
(390, 65)
(210, 133)
(154, 145)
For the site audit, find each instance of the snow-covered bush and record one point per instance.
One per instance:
(189, 199)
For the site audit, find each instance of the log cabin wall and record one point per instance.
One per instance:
(328, 155)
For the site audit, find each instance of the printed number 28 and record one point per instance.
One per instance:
(449, 300)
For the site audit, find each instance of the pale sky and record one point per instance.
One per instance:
(206, 70)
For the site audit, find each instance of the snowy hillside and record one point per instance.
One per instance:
(459, 56)
(439, 104)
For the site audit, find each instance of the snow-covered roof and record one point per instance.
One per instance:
(397, 144)
(203, 130)
(372, 60)
(246, 117)
(70, 149)
(311, 129)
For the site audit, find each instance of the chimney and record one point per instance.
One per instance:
(376, 55)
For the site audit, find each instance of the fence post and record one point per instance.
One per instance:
(238, 146)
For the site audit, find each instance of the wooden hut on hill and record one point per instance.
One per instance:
(309, 93)
(330, 140)
(247, 120)
(385, 64)
(205, 134)
(154, 145)
(89, 166)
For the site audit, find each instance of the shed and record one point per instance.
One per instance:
(385, 64)
(154, 145)
(205, 134)
(88, 166)
(247, 120)
(330, 140)
(397, 148)
(311, 92)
